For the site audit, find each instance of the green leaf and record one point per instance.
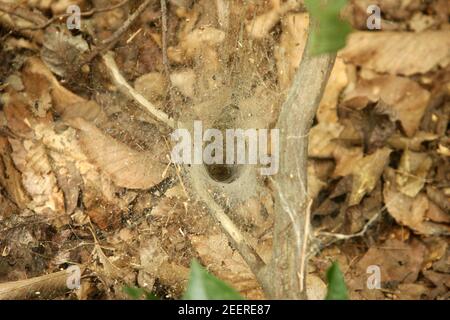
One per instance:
(139, 293)
(204, 286)
(331, 33)
(337, 290)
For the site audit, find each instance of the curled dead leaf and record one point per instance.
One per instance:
(126, 167)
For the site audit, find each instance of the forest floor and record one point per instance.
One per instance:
(85, 176)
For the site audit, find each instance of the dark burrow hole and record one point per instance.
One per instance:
(224, 173)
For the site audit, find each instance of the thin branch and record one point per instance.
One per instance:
(341, 236)
(238, 241)
(287, 268)
(47, 286)
(110, 42)
(164, 38)
(129, 91)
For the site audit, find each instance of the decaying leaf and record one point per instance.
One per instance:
(399, 53)
(345, 160)
(126, 167)
(10, 177)
(227, 264)
(410, 211)
(327, 111)
(366, 173)
(61, 97)
(398, 141)
(63, 53)
(260, 26)
(407, 99)
(38, 178)
(412, 172)
(322, 139)
(399, 262)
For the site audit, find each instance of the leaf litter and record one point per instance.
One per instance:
(85, 167)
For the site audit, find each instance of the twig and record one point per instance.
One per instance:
(126, 89)
(108, 43)
(47, 286)
(340, 236)
(248, 253)
(164, 38)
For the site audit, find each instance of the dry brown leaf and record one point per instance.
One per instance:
(438, 279)
(366, 174)
(436, 214)
(68, 178)
(410, 212)
(38, 178)
(322, 139)
(95, 184)
(152, 257)
(18, 116)
(126, 167)
(399, 53)
(315, 185)
(443, 150)
(439, 197)
(227, 264)
(412, 172)
(398, 10)
(88, 110)
(421, 22)
(398, 141)
(346, 159)
(60, 6)
(407, 99)
(327, 111)
(399, 261)
(61, 97)
(260, 26)
(38, 90)
(411, 291)
(10, 177)
(316, 289)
